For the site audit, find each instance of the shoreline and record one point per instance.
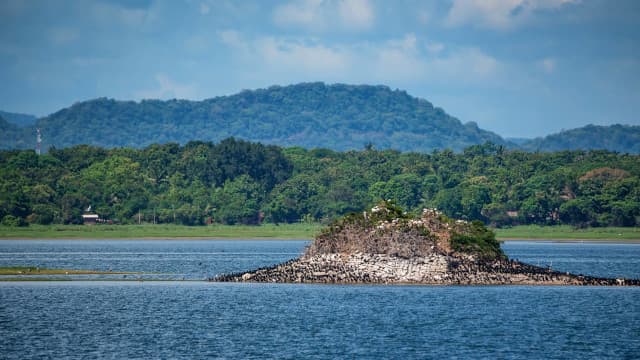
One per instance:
(298, 231)
(436, 268)
(222, 238)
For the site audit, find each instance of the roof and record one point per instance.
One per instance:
(90, 216)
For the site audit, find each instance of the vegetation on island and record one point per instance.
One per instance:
(387, 229)
(239, 182)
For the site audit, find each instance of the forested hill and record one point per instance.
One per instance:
(311, 115)
(11, 133)
(21, 120)
(620, 138)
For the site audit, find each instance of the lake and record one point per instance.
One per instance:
(194, 319)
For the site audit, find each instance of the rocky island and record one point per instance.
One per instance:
(387, 246)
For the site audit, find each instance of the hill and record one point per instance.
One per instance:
(11, 133)
(311, 115)
(620, 138)
(22, 120)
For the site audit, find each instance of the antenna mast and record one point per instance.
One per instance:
(38, 141)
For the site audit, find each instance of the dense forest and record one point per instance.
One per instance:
(236, 181)
(310, 115)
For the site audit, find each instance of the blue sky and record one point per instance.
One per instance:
(521, 68)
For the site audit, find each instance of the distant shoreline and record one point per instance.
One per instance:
(537, 240)
(298, 231)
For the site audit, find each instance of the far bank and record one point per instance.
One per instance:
(287, 231)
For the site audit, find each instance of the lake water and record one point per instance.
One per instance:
(195, 319)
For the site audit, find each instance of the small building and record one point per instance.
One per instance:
(512, 214)
(90, 219)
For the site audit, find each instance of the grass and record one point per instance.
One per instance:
(283, 231)
(161, 231)
(564, 232)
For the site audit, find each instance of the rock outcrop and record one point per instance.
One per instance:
(386, 246)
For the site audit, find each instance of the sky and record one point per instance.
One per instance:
(520, 68)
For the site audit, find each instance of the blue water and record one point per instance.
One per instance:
(117, 319)
(158, 259)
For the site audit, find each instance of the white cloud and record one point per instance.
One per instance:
(325, 15)
(234, 40)
(303, 13)
(466, 65)
(113, 13)
(498, 14)
(398, 60)
(402, 61)
(434, 47)
(289, 54)
(295, 55)
(356, 13)
(167, 89)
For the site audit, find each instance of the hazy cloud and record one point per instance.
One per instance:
(167, 89)
(405, 60)
(497, 14)
(234, 40)
(325, 15)
(113, 13)
(356, 13)
(292, 55)
(434, 47)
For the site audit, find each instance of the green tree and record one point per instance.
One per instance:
(238, 201)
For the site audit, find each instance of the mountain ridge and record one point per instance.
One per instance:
(310, 115)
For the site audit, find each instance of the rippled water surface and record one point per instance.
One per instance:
(174, 319)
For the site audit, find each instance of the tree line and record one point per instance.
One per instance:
(240, 182)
